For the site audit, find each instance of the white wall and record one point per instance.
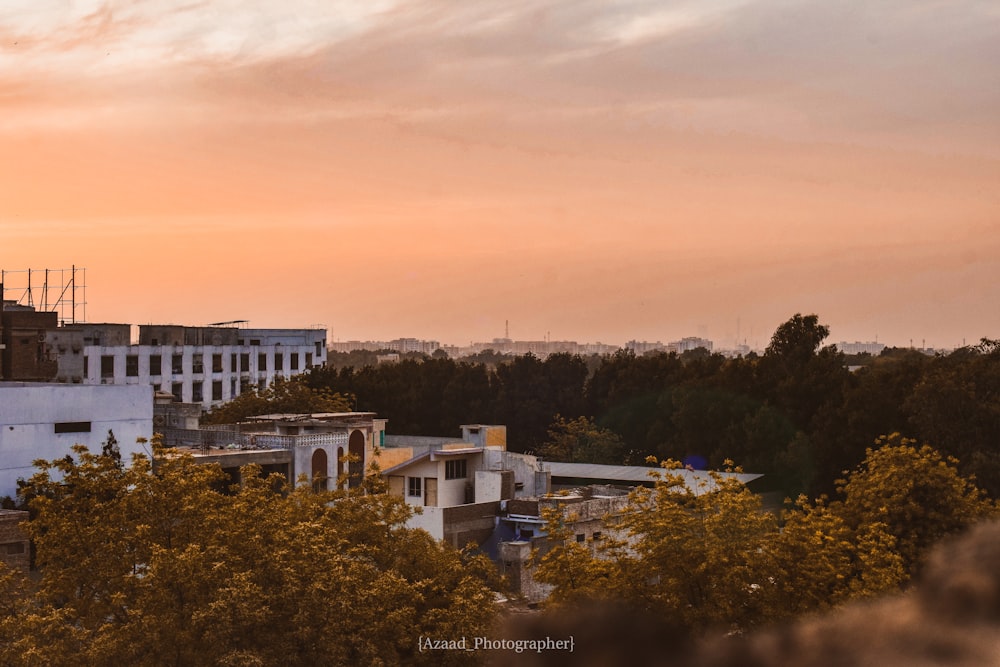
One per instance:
(234, 381)
(488, 486)
(29, 412)
(431, 520)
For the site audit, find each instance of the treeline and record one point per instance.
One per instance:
(795, 413)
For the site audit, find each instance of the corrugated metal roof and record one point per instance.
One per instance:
(695, 480)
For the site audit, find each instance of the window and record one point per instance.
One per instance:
(279, 361)
(319, 349)
(177, 364)
(132, 365)
(232, 363)
(177, 389)
(309, 359)
(294, 360)
(455, 469)
(413, 487)
(86, 366)
(12, 548)
(254, 341)
(72, 427)
(107, 366)
(597, 535)
(216, 363)
(580, 537)
(262, 362)
(197, 365)
(245, 363)
(155, 364)
(217, 390)
(196, 393)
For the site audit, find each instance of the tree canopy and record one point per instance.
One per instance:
(711, 558)
(283, 396)
(152, 565)
(795, 413)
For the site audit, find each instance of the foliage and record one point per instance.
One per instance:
(283, 396)
(916, 493)
(709, 557)
(795, 413)
(150, 565)
(580, 440)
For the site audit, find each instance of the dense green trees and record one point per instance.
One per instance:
(144, 567)
(794, 413)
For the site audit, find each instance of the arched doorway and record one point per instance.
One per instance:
(320, 470)
(356, 467)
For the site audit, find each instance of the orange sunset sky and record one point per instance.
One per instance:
(586, 169)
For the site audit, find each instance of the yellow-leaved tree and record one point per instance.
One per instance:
(154, 565)
(710, 558)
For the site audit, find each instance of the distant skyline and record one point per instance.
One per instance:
(586, 170)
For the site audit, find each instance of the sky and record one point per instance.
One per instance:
(587, 170)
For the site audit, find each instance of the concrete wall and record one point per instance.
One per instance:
(489, 485)
(196, 369)
(526, 468)
(430, 519)
(26, 356)
(514, 563)
(66, 346)
(30, 413)
(422, 470)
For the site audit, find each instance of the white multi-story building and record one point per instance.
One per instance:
(206, 365)
(43, 421)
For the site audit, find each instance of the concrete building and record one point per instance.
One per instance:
(587, 514)
(689, 343)
(327, 448)
(205, 365)
(24, 352)
(44, 420)
(461, 483)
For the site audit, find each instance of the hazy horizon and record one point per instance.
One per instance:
(590, 171)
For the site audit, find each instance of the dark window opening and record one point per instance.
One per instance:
(12, 548)
(132, 365)
(455, 469)
(72, 427)
(413, 488)
(155, 364)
